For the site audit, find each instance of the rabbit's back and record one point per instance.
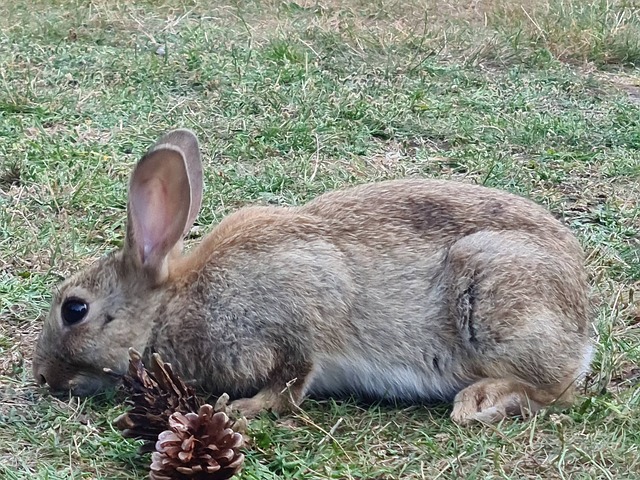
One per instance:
(437, 212)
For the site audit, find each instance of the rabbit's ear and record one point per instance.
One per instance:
(186, 142)
(165, 193)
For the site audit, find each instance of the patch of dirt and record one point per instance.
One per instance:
(626, 377)
(10, 176)
(630, 84)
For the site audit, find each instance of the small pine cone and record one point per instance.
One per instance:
(200, 446)
(154, 395)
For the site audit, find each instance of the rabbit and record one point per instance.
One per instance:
(413, 290)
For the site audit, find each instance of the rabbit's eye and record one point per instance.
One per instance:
(74, 310)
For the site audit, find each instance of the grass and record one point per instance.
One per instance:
(291, 99)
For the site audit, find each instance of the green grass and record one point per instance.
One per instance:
(291, 99)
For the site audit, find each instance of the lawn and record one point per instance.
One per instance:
(290, 99)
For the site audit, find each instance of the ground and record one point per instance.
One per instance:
(290, 99)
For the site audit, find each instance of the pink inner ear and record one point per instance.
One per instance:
(159, 203)
(152, 211)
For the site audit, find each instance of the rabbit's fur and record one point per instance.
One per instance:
(416, 290)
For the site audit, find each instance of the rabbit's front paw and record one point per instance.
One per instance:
(248, 407)
(273, 399)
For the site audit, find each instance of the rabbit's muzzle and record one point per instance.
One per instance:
(63, 378)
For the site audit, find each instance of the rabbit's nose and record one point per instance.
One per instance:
(38, 372)
(43, 376)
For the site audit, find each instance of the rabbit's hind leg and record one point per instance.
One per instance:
(521, 313)
(491, 399)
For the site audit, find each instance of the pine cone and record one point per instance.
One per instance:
(154, 396)
(198, 446)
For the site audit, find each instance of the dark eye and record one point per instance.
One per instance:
(74, 310)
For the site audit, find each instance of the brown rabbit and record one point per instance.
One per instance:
(416, 290)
